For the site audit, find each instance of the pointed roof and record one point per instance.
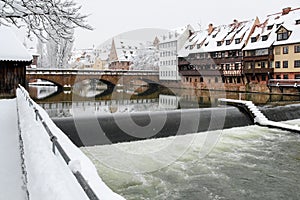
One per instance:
(11, 48)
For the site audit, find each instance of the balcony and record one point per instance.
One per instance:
(258, 71)
(200, 73)
(232, 72)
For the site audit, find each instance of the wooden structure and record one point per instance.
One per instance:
(13, 61)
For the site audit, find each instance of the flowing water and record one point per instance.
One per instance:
(246, 163)
(240, 163)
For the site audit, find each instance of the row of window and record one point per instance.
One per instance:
(285, 64)
(216, 80)
(227, 66)
(168, 73)
(168, 63)
(286, 76)
(285, 50)
(168, 45)
(167, 53)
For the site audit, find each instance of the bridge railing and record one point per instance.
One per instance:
(57, 146)
(284, 83)
(91, 72)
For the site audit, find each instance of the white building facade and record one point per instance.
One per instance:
(169, 45)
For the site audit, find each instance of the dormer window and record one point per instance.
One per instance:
(297, 21)
(219, 43)
(253, 39)
(264, 38)
(283, 34)
(238, 40)
(270, 27)
(198, 46)
(214, 36)
(191, 47)
(228, 42)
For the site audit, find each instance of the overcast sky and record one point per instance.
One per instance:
(112, 17)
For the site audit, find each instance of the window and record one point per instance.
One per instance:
(285, 64)
(253, 39)
(297, 49)
(285, 76)
(238, 40)
(270, 27)
(297, 76)
(297, 21)
(297, 63)
(264, 38)
(198, 46)
(227, 66)
(263, 65)
(237, 66)
(219, 43)
(216, 80)
(277, 64)
(277, 51)
(263, 78)
(278, 77)
(285, 50)
(228, 42)
(282, 36)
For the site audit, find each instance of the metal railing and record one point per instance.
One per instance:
(284, 83)
(57, 146)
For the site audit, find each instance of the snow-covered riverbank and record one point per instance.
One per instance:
(48, 175)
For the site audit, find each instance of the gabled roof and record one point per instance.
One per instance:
(11, 49)
(201, 41)
(277, 21)
(126, 49)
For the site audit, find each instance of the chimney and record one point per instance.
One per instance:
(286, 11)
(210, 29)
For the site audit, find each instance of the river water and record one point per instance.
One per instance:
(247, 163)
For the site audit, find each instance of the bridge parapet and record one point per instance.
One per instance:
(64, 77)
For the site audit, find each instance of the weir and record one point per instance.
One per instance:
(257, 116)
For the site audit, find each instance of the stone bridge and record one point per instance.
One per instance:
(68, 77)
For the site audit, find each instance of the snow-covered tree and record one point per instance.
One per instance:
(43, 17)
(54, 54)
(146, 58)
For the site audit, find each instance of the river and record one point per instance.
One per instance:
(249, 162)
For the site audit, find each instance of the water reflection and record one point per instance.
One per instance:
(41, 92)
(86, 99)
(89, 88)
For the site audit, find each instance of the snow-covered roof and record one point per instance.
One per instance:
(289, 23)
(126, 49)
(274, 22)
(202, 42)
(174, 34)
(11, 49)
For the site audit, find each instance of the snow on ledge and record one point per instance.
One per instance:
(49, 177)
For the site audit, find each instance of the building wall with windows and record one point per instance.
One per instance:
(287, 61)
(169, 46)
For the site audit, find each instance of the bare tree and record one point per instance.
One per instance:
(43, 17)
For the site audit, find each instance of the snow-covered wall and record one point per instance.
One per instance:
(48, 176)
